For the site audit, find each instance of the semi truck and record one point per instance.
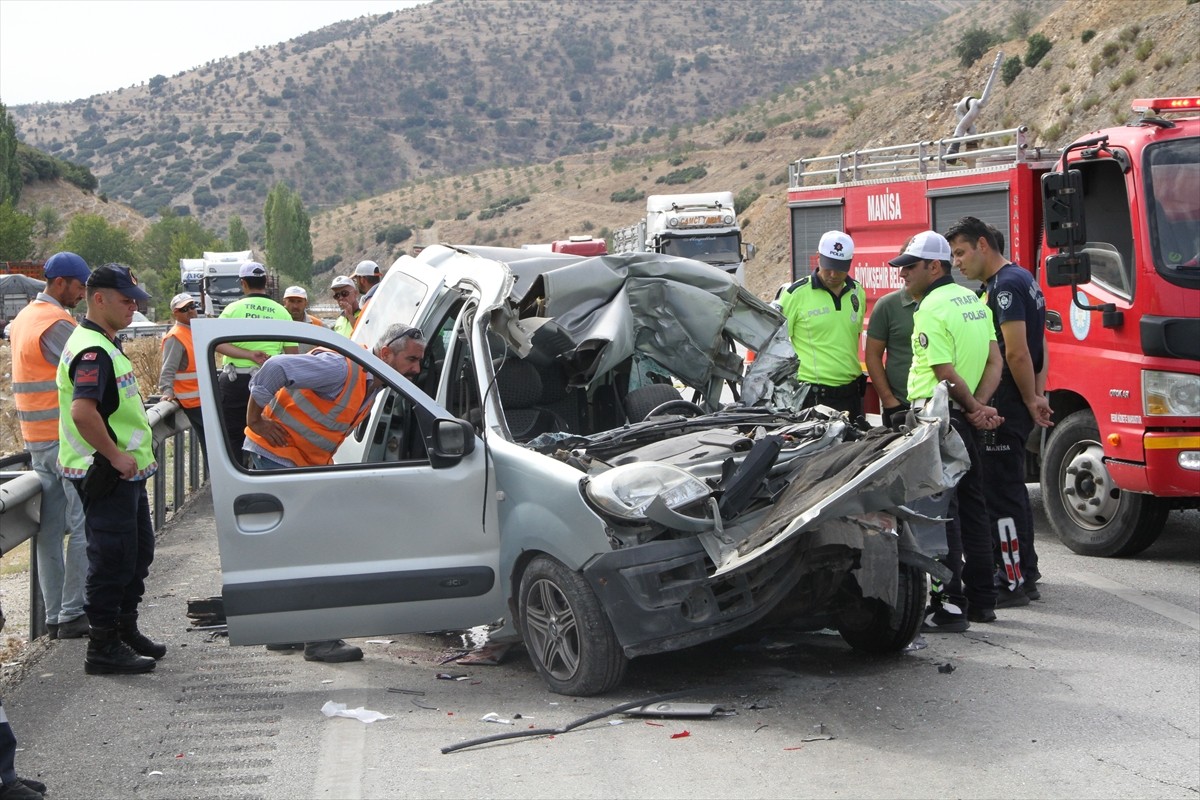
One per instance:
(214, 282)
(702, 226)
(1110, 226)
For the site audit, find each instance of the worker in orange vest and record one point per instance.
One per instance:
(37, 336)
(302, 407)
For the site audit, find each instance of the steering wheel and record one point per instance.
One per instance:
(679, 406)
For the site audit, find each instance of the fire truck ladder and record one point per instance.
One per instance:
(993, 148)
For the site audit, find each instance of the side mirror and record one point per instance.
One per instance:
(750, 251)
(1067, 270)
(450, 441)
(1062, 208)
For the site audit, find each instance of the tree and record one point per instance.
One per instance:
(1021, 22)
(239, 239)
(16, 233)
(973, 44)
(288, 237)
(98, 242)
(10, 168)
(172, 232)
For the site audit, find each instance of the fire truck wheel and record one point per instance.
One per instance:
(1090, 514)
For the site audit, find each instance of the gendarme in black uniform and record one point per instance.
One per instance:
(1013, 296)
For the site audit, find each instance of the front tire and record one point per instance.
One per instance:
(567, 633)
(872, 626)
(1089, 513)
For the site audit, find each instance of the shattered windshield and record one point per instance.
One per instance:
(1173, 186)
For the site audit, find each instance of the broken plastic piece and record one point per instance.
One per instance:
(681, 735)
(446, 676)
(946, 668)
(396, 690)
(492, 716)
(332, 709)
(488, 656)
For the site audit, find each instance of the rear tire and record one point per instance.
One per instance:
(870, 625)
(569, 638)
(1089, 513)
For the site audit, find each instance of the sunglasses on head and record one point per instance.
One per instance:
(340, 295)
(411, 333)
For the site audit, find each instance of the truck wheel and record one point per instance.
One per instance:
(1090, 514)
(567, 634)
(872, 626)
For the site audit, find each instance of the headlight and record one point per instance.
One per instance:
(626, 491)
(1170, 394)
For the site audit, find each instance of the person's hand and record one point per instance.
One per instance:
(270, 430)
(893, 416)
(259, 356)
(125, 464)
(985, 418)
(1039, 409)
(169, 396)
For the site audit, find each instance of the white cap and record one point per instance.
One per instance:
(925, 246)
(341, 280)
(366, 268)
(295, 291)
(835, 251)
(252, 269)
(180, 300)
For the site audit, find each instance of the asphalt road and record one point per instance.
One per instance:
(1091, 692)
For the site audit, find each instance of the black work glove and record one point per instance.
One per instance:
(894, 417)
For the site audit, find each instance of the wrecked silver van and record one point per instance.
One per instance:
(585, 457)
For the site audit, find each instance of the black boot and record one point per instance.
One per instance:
(108, 655)
(142, 644)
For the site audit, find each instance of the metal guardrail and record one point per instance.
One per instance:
(21, 490)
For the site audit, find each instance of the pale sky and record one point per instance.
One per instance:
(63, 50)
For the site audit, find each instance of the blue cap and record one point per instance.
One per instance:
(67, 265)
(252, 269)
(119, 277)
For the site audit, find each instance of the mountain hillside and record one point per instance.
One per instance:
(904, 95)
(358, 108)
(1099, 60)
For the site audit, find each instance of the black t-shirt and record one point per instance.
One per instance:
(93, 375)
(1014, 296)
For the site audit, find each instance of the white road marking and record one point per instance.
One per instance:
(339, 773)
(1140, 598)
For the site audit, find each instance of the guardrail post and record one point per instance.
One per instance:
(160, 485)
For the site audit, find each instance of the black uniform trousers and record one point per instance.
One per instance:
(234, 396)
(968, 534)
(846, 398)
(120, 548)
(1004, 476)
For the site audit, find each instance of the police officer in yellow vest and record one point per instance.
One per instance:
(37, 337)
(953, 340)
(106, 448)
(240, 360)
(177, 379)
(825, 313)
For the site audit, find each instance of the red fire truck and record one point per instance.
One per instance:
(1111, 227)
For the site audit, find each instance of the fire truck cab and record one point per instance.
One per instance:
(1111, 228)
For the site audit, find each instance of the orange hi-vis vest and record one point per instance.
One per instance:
(186, 386)
(34, 386)
(316, 426)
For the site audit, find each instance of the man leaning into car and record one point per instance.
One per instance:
(300, 410)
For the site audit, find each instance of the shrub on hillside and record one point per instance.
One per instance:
(1038, 46)
(1010, 70)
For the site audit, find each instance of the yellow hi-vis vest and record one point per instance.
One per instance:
(128, 423)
